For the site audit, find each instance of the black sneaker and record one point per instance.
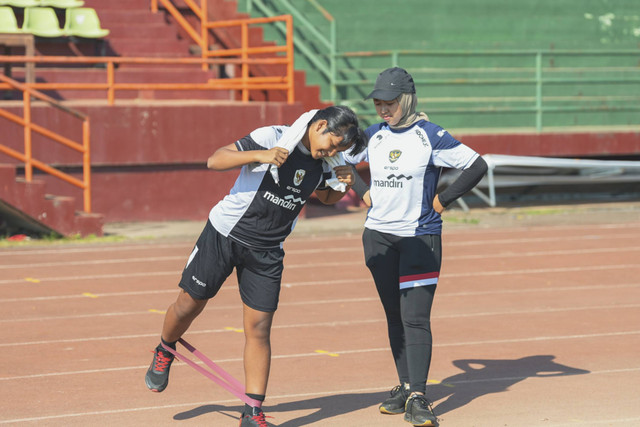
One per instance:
(157, 376)
(418, 411)
(255, 419)
(395, 403)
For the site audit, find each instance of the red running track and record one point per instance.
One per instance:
(535, 326)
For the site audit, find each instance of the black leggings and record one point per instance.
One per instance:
(408, 311)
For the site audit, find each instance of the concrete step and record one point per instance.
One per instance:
(167, 47)
(7, 180)
(134, 18)
(27, 205)
(153, 30)
(118, 4)
(140, 74)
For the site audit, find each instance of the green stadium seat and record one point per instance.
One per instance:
(42, 22)
(84, 22)
(21, 3)
(8, 21)
(62, 4)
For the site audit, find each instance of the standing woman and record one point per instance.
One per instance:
(402, 235)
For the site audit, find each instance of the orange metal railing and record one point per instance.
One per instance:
(29, 127)
(244, 52)
(111, 86)
(245, 57)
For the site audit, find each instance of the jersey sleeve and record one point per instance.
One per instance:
(355, 159)
(363, 156)
(262, 138)
(448, 152)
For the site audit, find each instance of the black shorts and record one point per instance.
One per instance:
(213, 259)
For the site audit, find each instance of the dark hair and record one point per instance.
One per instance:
(342, 121)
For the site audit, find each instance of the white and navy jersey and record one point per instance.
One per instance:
(405, 167)
(257, 212)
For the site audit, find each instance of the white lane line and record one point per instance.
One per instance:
(441, 294)
(100, 261)
(490, 273)
(44, 280)
(176, 289)
(208, 309)
(509, 254)
(297, 325)
(142, 247)
(536, 311)
(545, 253)
(348, 264)
(543, 270)
(513, 253)
(207, 331)
(97, 295)
(499, 379)
(96, 277)
(192, 404)
(146, 248)
(240, 360)
(545, 338)
(448, 244)
(591, 422)
(383, 389)
(333, 301)
(118, 246)
(590, 237)
(341, 352)
(60, 250)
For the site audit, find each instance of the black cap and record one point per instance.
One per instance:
(391, 83)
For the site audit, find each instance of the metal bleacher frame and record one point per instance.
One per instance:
(585, 171)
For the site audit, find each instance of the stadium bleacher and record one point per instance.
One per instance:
(41, 19)
(142, 136)
(477, 63)
(143, 132)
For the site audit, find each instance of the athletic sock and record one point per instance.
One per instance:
(169, 344)
(248, 409)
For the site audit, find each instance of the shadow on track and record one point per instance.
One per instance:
(326, 407)
(484, 376)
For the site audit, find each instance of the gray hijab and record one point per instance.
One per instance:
(408, 103)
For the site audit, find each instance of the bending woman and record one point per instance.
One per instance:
(246, 231)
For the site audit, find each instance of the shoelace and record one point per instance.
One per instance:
(162, 362)
(260, 419)
(394, 390)
(424, 402)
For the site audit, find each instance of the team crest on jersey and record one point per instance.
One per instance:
(299, 176)
(394, 155)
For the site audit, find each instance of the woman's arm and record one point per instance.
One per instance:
(330, 196)
(465, 182)
(228, 157)
(360, 188)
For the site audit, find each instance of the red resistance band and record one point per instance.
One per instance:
(226, 381)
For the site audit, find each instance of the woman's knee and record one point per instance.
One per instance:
(257, 324)
(187, 307)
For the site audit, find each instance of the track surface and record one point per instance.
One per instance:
(533, 326)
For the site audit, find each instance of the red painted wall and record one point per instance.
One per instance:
(556, 144)
(149, 159)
